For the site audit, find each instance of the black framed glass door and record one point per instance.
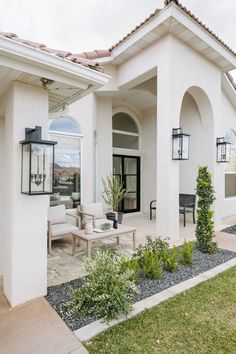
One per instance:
(127, 170)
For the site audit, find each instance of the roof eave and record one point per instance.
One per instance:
(163, 20)
(40, 63)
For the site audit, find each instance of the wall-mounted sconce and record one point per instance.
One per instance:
(37, 164)
(180, 144)
(222, 150)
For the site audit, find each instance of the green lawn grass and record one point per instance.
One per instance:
(200, 320)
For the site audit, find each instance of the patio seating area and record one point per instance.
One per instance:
(63, 267)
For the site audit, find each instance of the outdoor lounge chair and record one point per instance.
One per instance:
(94, 212)
(62, 224)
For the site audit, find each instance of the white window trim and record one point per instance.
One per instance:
(122, 132)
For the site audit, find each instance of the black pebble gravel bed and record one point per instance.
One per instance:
(59, 294)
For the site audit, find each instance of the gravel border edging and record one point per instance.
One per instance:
(87, 332)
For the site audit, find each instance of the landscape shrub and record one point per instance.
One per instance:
(151, 265)
(108, 290)
(157, 245)
(186, 253)
(170, 259)
(205, 226)
(132, 265)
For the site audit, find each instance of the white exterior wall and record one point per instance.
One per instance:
(104, 142)
(148, 160)
(25, 217)
(2, 204)
(228, 122)
(84, 112)
(94, 115)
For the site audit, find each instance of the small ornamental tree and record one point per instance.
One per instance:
(205, 226)
(113, 192)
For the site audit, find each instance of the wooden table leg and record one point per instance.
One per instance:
(134, 240)
(73, 245)
(88, 249)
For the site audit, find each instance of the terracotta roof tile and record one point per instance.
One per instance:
(135, 29)
(95, 54)
(189, 13)
(75, 58)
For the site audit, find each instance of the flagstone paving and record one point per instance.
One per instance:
(63, 267)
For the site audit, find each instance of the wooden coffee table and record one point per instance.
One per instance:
(95, 236)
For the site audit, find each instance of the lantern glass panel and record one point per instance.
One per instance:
(223, 152)
(41, 173)
(176, 147)
(185, 147)
(25, 168)
(37, 168)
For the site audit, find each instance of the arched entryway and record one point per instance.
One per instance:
(196, 119)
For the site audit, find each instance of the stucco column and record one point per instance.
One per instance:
(167, 220)
(104, 142)
(1, 192)
(25, 217)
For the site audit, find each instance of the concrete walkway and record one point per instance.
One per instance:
(35, 328)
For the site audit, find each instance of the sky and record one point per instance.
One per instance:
(83, 25)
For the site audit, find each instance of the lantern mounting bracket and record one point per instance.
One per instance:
(33, 134)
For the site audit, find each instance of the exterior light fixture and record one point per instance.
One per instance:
(222, 150)
(180, 144)
(37, 164)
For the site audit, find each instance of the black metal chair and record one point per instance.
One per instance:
(187, 205)
(152, 207)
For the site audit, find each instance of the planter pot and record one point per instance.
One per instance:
(112, 216)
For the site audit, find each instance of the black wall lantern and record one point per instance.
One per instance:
(180, 144)
(222, 150)
(37, 164)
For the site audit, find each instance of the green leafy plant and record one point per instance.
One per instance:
(186, 254)
(108, 290)
(151, 265)
(132, 265)
(113, 192)
(157, 245)
(170, 259)
(205, 225)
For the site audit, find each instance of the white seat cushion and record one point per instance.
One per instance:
(57, 214)
(99, 222)
(93, 209)
(63, 229)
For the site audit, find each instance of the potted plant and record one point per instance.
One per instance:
(113, 194)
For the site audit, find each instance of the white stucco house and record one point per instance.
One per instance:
(171, 71)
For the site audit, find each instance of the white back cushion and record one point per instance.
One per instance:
(57, 214)
(93, 209)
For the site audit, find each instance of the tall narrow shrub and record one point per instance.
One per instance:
(205, 226)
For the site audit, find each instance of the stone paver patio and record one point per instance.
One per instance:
(63, 267)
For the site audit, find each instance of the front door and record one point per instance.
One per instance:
(127, 170)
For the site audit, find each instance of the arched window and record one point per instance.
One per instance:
(65, 124)
(230, 168)
(67, 166)
(125, 132)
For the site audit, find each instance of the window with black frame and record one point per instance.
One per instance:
(67, 167)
